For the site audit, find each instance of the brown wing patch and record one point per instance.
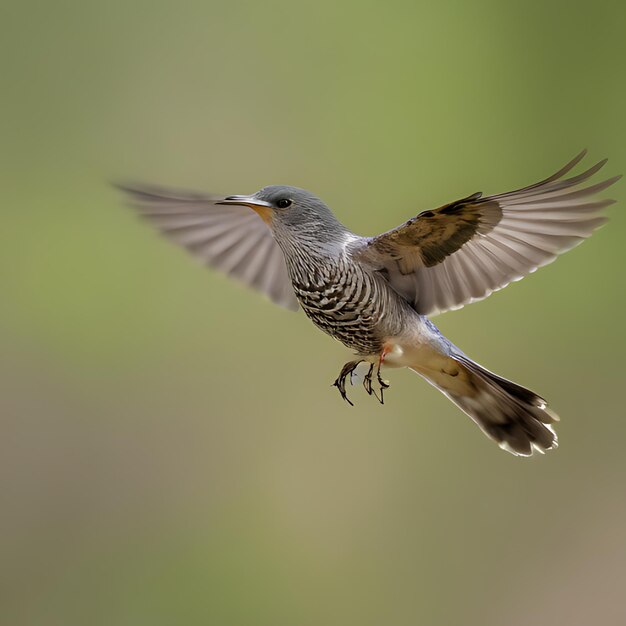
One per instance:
(431, 236)
(462, 252)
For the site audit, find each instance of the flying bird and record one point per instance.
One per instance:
(374, 294)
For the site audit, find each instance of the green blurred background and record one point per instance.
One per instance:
(171, 449)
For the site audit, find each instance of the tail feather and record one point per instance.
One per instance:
(515, 417)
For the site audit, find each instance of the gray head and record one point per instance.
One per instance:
(294, 212)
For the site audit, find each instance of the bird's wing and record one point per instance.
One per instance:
(463, 251)
(230, 238)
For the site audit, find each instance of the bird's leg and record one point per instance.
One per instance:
(383, 385)
(340, 383)
(368, 382)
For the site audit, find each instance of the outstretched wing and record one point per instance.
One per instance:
(230, 238)
(463, 251)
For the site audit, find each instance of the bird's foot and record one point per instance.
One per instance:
(340, 383)
(368, 383)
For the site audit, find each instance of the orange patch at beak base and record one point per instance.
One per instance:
(264, 212)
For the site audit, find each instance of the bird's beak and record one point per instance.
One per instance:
(264, 209)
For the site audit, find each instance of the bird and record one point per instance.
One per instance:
(375, 294)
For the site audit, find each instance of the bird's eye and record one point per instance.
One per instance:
(283, 203)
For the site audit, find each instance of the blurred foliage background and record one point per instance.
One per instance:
(171, 449)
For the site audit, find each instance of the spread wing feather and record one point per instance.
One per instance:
(463, 251)
(232, 238)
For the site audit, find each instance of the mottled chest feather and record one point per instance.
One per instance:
(342, 299)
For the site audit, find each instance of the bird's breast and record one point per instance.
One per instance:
(343, 301)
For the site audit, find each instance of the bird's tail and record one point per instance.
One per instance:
(513, 416)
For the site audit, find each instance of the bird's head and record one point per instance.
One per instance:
(290, 210)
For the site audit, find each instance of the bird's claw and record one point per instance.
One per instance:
(368, 383)
(340, 383)
(369, 387)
